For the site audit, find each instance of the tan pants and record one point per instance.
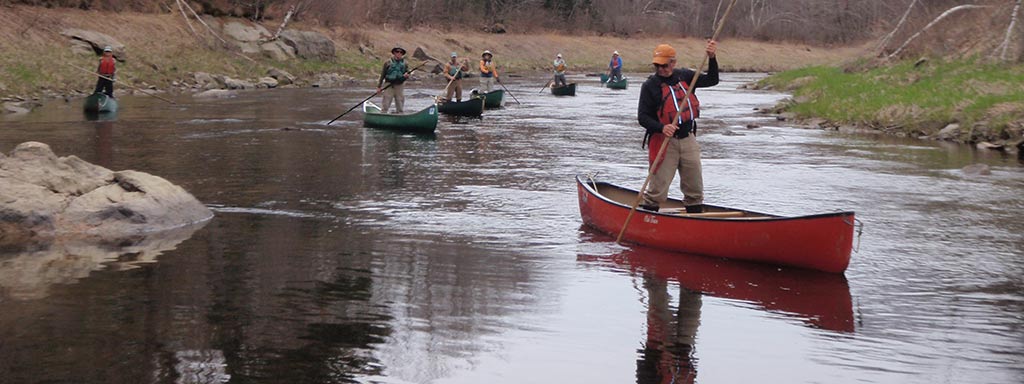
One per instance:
(682, 155)
(486, 83)
(396, 92)
(456, 88)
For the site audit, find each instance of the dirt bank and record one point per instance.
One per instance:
(162, 53)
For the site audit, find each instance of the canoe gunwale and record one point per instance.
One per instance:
(591, 188)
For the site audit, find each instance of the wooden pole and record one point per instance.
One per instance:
(125, 84)
(664, 144)
(457, 70)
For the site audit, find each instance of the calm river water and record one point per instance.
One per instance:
(342, 254)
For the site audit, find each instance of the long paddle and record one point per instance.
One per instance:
(546, 86)
(509, 92)
(374, 94)
(664, 144)
(121, 82)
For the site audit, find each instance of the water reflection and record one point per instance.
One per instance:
(104, 140)
(819, 300)
(669, 350)
(28, 274)
(667, 355)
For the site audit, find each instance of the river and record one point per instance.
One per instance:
(343, 254)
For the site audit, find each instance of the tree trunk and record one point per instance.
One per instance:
(885, 41)
(1009, 31)
(932, 24)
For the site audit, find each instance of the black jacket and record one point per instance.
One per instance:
(650, 95)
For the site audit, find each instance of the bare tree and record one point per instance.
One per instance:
(1005, 45)
(933, 23)
(903, 20)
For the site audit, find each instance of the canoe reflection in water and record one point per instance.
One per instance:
(816, 299)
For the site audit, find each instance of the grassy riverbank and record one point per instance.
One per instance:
(161, 51)
(915, 99)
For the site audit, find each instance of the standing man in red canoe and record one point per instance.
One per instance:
(663, 95)
(106, 69)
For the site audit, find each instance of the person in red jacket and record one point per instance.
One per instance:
(664, 96)
(107, 68)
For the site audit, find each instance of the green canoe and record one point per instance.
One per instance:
(474, 107)
(565, 90)
(621, 84)
(492, 99)
(424, 121)
(100, 103)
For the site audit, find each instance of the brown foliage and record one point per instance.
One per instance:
(811, 21)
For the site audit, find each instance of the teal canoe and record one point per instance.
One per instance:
(424, 121)
(474, 107)
(621, 84)
(492, 99)
(565, 90)
(100, 103)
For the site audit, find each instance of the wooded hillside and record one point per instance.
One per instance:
(809, 21)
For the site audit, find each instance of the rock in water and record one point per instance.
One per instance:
(43, 196)
(977, 169)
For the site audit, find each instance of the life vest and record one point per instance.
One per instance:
(396, 71)
(107, 66)
(453, 70)
(616, 62)
(559, 66)
(486, 68)
(676, 95)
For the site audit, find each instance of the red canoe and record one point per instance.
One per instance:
(821, 242)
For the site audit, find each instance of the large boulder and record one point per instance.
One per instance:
(246, 36)
(277, 50)
(266, 82)
(43, 196)
(230, 83)
(309, 45)
(282, 77)
(95, 40)
(207, 81)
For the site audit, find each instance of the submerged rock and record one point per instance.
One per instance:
(43, 196)
(977, 169)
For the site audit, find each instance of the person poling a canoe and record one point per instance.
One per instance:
(371, 96)
(107, 68)
(615, 67)
(395, 72)
(454, 71)
(559, 66)
(488, 72)
(663, 96)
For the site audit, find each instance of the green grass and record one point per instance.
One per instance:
(920, 99)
